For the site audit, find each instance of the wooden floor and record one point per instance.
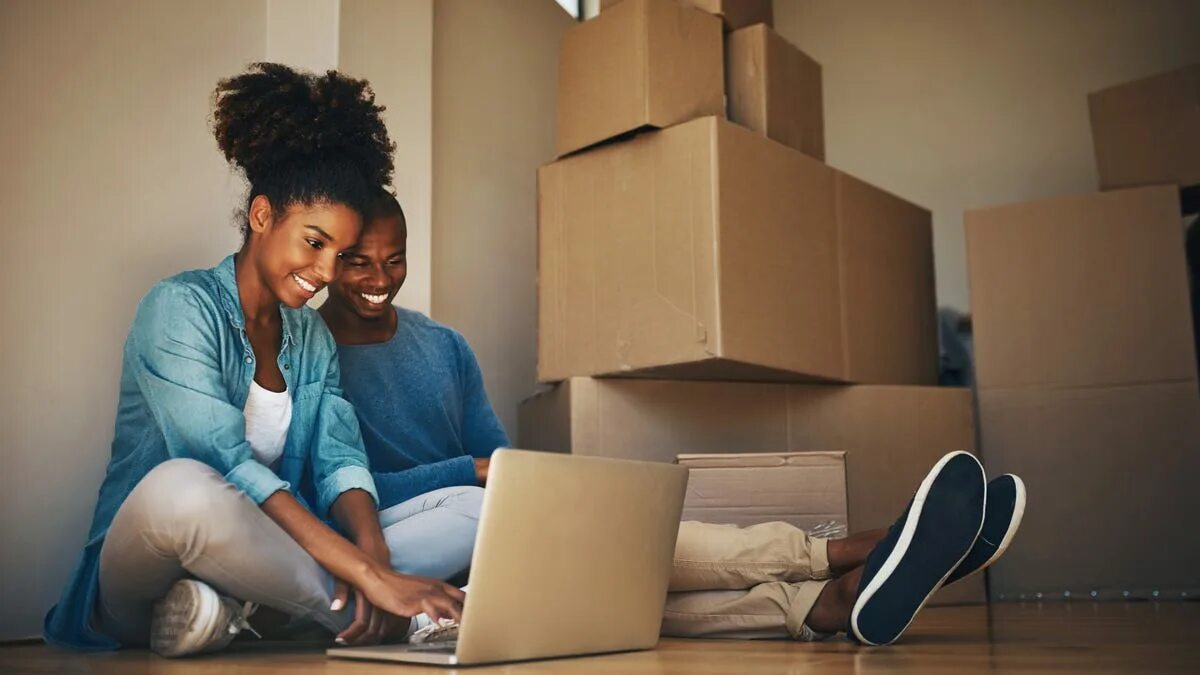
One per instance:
(1135, 637)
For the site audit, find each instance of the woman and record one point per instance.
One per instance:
(233, 441)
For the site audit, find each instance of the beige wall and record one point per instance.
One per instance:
(494, 80)
(959, 104)
(112, 181)
(303, 33)
(390, 43)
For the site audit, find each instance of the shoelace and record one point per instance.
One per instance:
(240, 620)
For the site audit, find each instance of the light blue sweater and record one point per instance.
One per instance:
(422, 408)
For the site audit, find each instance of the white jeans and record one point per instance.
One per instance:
(183, 519)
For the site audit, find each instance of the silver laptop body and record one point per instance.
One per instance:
(572, 557)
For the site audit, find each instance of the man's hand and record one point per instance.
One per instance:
(481, 470)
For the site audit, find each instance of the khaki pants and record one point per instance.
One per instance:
(754, 582)
(183, 519)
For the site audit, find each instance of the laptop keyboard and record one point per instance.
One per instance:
(434, 647)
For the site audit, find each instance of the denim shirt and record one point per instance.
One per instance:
(186, 372)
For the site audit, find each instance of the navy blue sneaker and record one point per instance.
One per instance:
(921, 549)
(1001, 520)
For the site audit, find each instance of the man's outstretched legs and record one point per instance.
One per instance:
(763, 581)
(774, 581)
(752, 582)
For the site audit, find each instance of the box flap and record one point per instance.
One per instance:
(1080, 291)
(1147, 132)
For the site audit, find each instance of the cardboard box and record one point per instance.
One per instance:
(735, 13)
(1080, 290)
(889, 306)
(645, 63)
(707, 251)
(891, 435)
(775, 89)
(1148, 132)
(1110, 473)
(805, 489)
(1086, 371)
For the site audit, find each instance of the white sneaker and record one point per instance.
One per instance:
(193, 619)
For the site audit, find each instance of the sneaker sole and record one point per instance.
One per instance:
(177, 617)
(905, 540)
(1014, 524)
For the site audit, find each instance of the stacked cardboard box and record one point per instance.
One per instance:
(891, 434)
(1086, 364)
(712, 261)
(734, 13)
(1147, 132)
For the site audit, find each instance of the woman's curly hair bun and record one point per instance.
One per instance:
(297, 135)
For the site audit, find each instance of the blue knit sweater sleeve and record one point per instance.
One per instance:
(482, 431)
(399, 486)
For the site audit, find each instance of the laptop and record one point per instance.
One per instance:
(572, 557)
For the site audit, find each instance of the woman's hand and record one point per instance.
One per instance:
(364, 563)
(481, 470)
(406, 596)
(371, 625)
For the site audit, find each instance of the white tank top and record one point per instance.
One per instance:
(268, 416)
